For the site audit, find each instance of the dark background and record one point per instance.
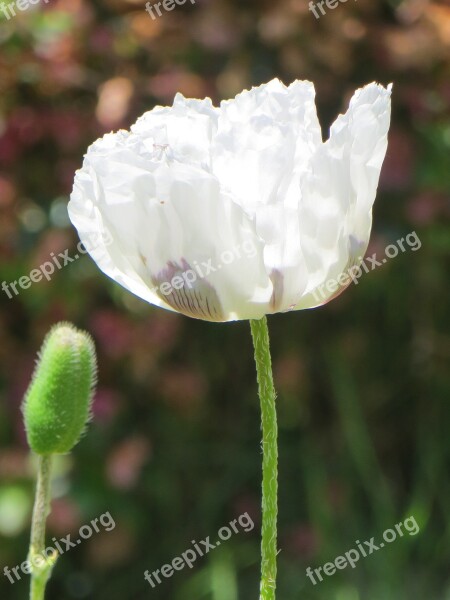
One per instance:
(173, 452)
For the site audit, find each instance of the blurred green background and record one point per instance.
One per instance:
(173, 452)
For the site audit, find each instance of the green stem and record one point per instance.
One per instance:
(41, 566)
(260, 334)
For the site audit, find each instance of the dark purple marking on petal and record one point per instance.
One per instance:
(193, 297)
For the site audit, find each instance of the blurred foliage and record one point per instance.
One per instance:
(174, 449)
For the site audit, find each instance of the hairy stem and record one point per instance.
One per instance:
(260, 334)
(41, 565)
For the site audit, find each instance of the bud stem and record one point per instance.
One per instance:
(40, 574)
(267, 395)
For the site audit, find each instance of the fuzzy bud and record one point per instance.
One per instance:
(57, 405)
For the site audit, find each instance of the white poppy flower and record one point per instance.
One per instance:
(238, 211)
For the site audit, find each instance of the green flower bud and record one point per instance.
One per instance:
(57, 405)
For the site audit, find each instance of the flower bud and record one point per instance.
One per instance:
(57, 404)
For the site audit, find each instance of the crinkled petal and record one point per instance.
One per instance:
(238, 211)
(185, 130)
(265, 139)
(178, 241)
(339, 191)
